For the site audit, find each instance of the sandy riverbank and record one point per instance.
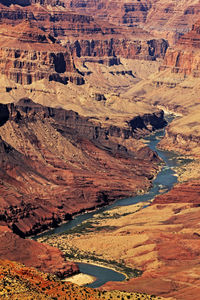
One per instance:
(81, 279)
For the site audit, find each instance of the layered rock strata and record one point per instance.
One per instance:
(88, 36)
(120, 47)
(184, 58)
(157, 16)
(27, 54)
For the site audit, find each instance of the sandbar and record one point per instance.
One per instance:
(81, 279)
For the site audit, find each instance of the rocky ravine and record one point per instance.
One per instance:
(45, 149)
(55, 163)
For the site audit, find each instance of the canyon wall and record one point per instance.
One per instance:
(152, 15)
(120, 47)
(27, 54)
(45, 149)
(157, 16)
(100, 38)
(184, 57)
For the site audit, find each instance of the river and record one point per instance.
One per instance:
(164, 181)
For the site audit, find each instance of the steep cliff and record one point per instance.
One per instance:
(182, 135)
(27, 54)
(33, 254)
(184, 57)
(138, 48)
(88, 36)
(157, 16)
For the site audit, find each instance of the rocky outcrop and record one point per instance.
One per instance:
(154, 15)
(19, 281)
(33, 254)
(184, 58)
(123, 47)
(27, 54)
(189, 192)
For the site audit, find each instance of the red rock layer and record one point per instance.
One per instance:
(88, 36)
(169, 16)
(27, 54)
(184, 57)
(188, 192)
(121, 47)
(19, 282)
(33, 254)
(165, 16)
(129, 13)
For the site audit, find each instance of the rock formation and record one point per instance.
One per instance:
(184, 57)
(27, 54)
(120, 47)
(17, 281)
(33, 254)
(169, 17)
(88, 36)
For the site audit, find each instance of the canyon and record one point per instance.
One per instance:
(82, 83)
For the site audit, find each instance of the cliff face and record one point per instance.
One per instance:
(57, 21)
(89, 36)
(150, 14)
(128, 13)
(186, 143)
(120, 47)
(27, 54)
(159, 16)
(51, 159)
(184, 57)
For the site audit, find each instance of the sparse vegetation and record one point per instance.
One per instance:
(119, 266)
(19, 282)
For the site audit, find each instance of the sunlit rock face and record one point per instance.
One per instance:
(27, 54)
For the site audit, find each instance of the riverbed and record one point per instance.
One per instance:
(164, 181)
